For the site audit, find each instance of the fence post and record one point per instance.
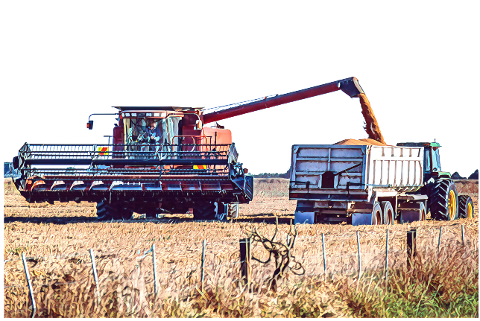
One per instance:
(386, 256)
(245, 258)
(95, 276)
(154, 270)
(324, 257)
(463, 236)
(359, 257)
(439, 238)
(411, 247)
(92, 257)
(30, 289)
(203, 264)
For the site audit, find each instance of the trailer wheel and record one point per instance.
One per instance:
(388, 215)
(465, 204)
(377, 214)
(204, 211)
(444, 200)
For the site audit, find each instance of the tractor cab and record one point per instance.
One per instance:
(431, 159)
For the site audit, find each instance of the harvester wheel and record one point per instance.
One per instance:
(444, 200)
(388, 213)
(465, 204)
(204, 211)
(107, 211)
(232, 211)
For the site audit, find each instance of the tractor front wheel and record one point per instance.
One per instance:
(465, 204)
(444, 200)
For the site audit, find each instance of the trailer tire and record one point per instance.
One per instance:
(465, 205)
(388, 213)
(204, 211)
(377, 215)
(444, 200)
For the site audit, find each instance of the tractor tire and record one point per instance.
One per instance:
(388, 213)
(444, 200)
(107, 211)
(465, 205)
(204, 211)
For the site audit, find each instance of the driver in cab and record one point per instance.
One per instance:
(153, 133)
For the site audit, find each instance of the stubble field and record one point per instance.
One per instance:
(56, 240)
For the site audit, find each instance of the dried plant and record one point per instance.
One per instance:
(281, 252)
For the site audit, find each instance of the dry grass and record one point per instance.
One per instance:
(126, 283)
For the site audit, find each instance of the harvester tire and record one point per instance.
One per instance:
(465, 207)
(204, 211)
(444, 200)
(107, 211)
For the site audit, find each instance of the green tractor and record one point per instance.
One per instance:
(444, 203)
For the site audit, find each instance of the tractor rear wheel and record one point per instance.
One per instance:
(108, 211)
(465, 205)
(204, 211)
(444, 200)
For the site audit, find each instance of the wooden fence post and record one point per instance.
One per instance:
(386, 256)
(411, 247)
(203, 263)
(30, 289)
(359, 257)
(245, 260)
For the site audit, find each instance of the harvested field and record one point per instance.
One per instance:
(56, 239)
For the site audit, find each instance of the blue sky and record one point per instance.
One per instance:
(417, 62)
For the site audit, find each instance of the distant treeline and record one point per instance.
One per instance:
(474, 175)
(273, 175)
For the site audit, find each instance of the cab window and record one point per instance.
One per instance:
(427, 163)
(436, 160)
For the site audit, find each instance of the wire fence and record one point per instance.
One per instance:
(219, 262)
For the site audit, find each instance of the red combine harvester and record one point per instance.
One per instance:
(162, 159)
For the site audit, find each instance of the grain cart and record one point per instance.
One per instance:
(161, 159)
(369, 184)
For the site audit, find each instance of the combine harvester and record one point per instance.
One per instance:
(163, 159)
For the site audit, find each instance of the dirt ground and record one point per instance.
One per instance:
(57, 238)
